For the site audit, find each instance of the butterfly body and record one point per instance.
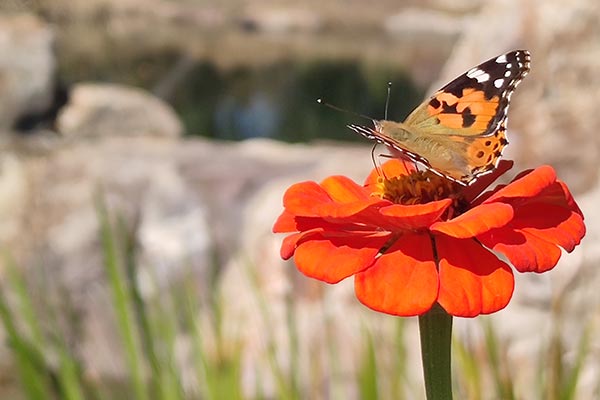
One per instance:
(460, 131)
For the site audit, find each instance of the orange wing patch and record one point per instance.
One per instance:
(470, 111)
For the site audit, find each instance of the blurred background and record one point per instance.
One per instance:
(146, 146)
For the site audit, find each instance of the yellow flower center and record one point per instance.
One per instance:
(419, 187)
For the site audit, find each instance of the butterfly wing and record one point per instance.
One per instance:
(476, 103)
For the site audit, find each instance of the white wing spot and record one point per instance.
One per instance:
(498, 83)
(483, 78)
(508, 66)
(501, 59)
(473, 72)
(479, 75)
(507, 74)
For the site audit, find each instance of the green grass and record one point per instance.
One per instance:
(47, 364)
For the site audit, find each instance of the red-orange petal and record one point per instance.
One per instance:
(342, 189)
(288, 246)
(569, 199)
(303, 198)
(290, 242)
(540, 225)
(555, 224)
(407, 217)
(526, 252)
(308, 199)
(286, 222)
(473, 280)
(390, 169)
(558, 194)
(403, 281)
(527, 185)
(332, 258)
(476, 221)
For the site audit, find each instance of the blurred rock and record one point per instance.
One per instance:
(456, 6)
(151, 204)
(27, 67)
(277, 21)
(421, 24)
(113, 110)
(14, 198)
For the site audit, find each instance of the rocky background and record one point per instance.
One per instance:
(191, 201)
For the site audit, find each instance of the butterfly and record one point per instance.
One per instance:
(460, 131)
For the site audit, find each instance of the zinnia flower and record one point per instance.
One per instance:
(413, 239)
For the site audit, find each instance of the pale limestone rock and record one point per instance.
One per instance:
(97, 109)
(14, 193)
(281, 20)
(425, 25)
(27, 67)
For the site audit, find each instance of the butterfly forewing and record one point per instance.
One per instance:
(476, 102)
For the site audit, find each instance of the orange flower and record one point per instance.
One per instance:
(413, 238)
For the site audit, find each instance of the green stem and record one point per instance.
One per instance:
(435, 328)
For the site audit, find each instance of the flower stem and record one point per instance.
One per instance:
(435, 329)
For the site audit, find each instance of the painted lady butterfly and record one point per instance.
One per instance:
(460, 131)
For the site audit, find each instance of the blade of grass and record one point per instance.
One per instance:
(227, 373)
(218, 371)
(138, 306)
(469, 371)
(500, 372)
(569, 385)
(399, 363)
(554, 366)
(121, 301)
(30, 363)
(336, 389)
(26, 311)
(164, 331)
(69, 376)
(540, 374)
(292, 331)
(368, 373)
(285, 388)
(190, 307)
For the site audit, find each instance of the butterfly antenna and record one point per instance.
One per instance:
(387, 101)
(320, 101)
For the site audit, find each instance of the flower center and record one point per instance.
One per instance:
(419, 187)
